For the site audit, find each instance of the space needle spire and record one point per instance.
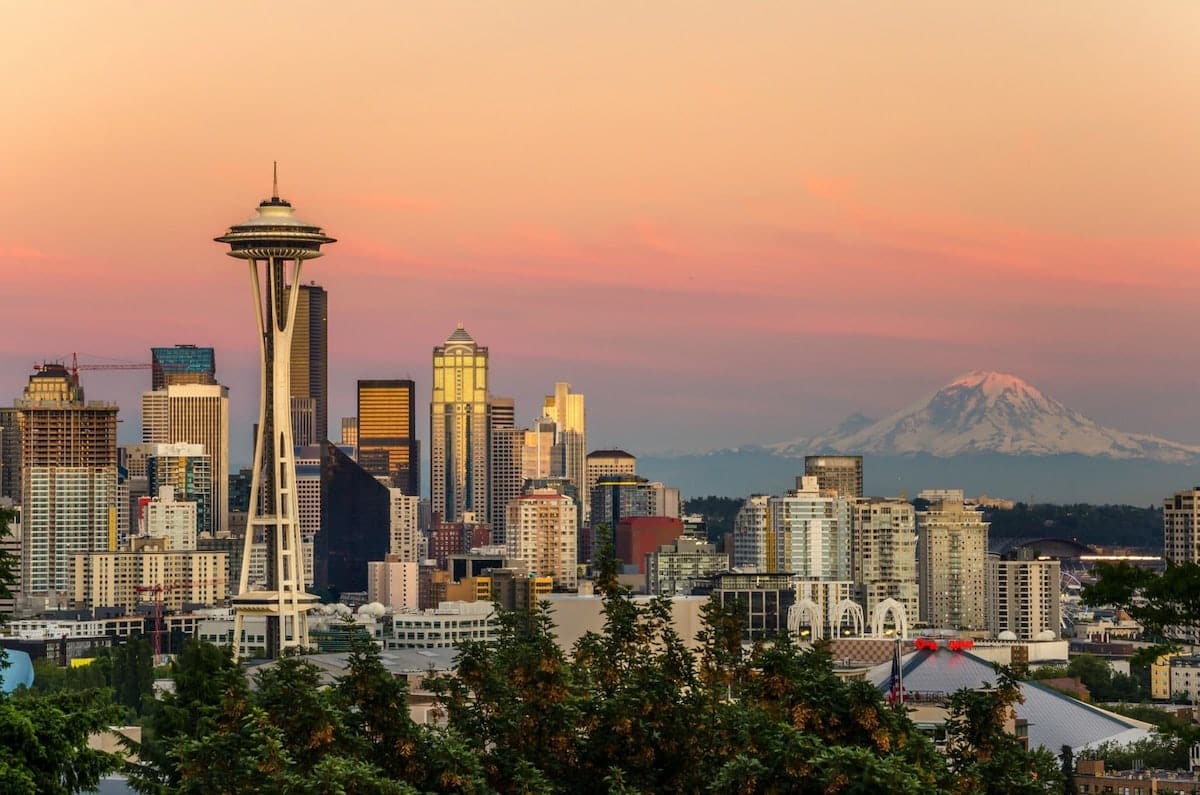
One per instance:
(275, 244)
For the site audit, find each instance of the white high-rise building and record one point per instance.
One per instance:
(1181, 527)
(883, 553)
(753, 545)
(542, 531)
(951, 551)
(805, 533)
(172, 520)
(196, 414)
(404, 519)
(1024, 597)
(186, 468)
(813, 531)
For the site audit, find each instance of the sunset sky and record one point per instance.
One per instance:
(725, 223)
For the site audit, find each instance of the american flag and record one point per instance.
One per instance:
(896, 683)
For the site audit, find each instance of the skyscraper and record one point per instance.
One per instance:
(182, 364)
(541, 531)
(310, 365)
(1024, 596)
(10, 454)
(458, 428)
(814, 532)
(274, 238)
(599, 463)
(567, 410)
(951, 553)
(506, 474)
(68, 482)
(187, 469)
(883, 554)
(843, 473)
(1181, 527)
(387, 425)
(194, 414)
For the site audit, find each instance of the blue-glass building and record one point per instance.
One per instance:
(182, 364)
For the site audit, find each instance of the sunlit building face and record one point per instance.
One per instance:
(458, 427)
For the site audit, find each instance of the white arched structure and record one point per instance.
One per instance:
(847, 609)
(805, 609)
(880, 615)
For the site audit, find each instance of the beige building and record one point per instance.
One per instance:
(951, 553)
(111, 579)
(569, 413)
(600, 463)
(458, 428)
(393, 582)
(404, 523)
(1024, 598)
(1160, 676)
(883, 553)
(537, 456)
(68, 483)
(542, 530)
(173, 521)
(196, 414)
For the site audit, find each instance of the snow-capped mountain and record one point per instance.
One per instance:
(987, 412)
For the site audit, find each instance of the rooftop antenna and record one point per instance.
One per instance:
(274, 179)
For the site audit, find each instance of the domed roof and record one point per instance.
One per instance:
(1007, 634)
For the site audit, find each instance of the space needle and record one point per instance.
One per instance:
(275, 243)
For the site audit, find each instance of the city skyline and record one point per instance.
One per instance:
(1013, 217)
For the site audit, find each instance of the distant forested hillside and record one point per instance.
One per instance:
(718, 512)
(1108, 525)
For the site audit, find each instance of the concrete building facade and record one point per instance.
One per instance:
(542, 532)
(68, 482)
(883, 553)
(194, 414)
(951, 555)
(1024, 597)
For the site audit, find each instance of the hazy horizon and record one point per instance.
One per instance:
(724, 224)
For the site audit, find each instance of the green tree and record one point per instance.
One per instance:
(203, 674)
(1167, 605)
(132, 673)
(985, 757)
(44, 737)
(376, 721)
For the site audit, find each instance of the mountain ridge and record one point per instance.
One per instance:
(983, 412)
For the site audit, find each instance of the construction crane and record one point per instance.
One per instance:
(158, 589)
(76, 366)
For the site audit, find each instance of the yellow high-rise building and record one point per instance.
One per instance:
(386, 432)
(567, 410)
(458, 428)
